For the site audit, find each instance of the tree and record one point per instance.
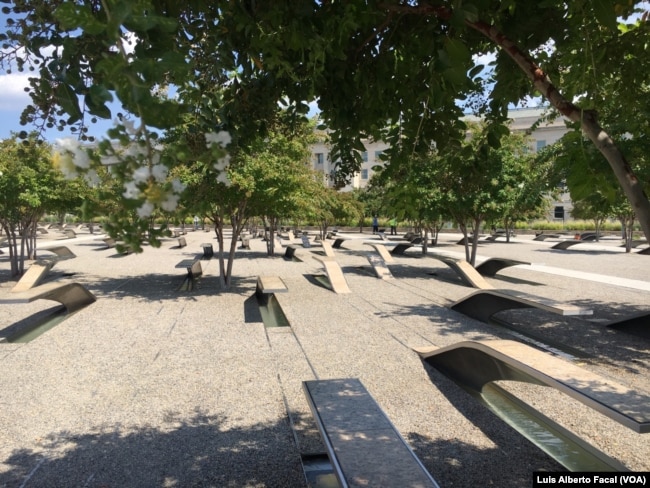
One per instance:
(278, 168)
(412, 192)
(480, 183)
(358, 58)
(29, 186)
(592, 190)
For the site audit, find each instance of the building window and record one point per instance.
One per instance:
(541, 145)
(378, 155)
(559, 212)
(364, 156)
(320, 158)
(364, 174)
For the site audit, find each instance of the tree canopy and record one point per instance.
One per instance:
(30, 186)
(402, 71)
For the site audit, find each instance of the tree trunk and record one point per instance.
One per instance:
(477, 226)
(12, 245)
(463, 229)
(588, 121)
(425, 241)
(218, 230)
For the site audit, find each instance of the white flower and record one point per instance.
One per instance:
(223, 178)
(131, 190)
(145, 210)
(68, 144)
(92, 177)
(67, 166)
(110, 160)
(177, 185)
(222, 163)
(170, 203)
(222, 138)
(79, 155)
(136, 150)
(141, 174)
(129, 125)
(159, 172)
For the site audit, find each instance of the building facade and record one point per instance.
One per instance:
(545, 133)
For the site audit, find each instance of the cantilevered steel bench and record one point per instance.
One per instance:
(483, 304)
(567, 243)
(364, 447)
(270, 284)
(73, 296)
(491, 266)
(543, 237)
(338, 241)
(476, 363)
(466, 271)
(194, 272)
(334, 274)
(62, 252)
(34, 275)
(400, 248)
(327, 248)
(381, 250)
(379, 267)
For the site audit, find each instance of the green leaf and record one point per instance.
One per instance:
(605, 13)
(72, 16)
(98, 109)
(99, 94)
(66, 98)
(457, 50)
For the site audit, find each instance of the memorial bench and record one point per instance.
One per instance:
(34, 275)
(491, 266)
(245, 242)
(542, 237)
(476, 363)
(267, 285)
(488, 267)
(381, 250)
(72, 296)
(483, 304)
(334, 274)
(379, 267)
(62, 252)
(208, 250)
(363, 446)
(290, 252)
(466, 271)
(400, 248)
(182, 242)
(327, 248)
(338, 241)
(567, 243)
(194, 272)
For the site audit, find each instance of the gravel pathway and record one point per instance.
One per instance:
(155, 387)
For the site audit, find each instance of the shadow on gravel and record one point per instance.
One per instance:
(509, 464)
(164, 286)
(197, 451)
(590, 334)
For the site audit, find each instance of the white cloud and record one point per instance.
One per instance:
(485, 59)
(12, 92)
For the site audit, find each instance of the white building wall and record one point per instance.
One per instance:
(546, 133)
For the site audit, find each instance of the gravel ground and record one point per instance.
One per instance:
(155, 387)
